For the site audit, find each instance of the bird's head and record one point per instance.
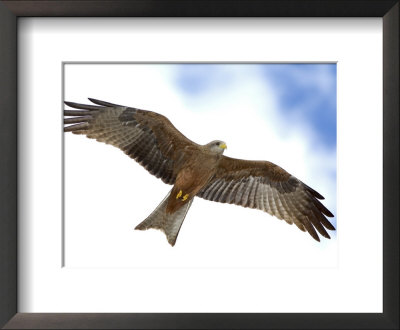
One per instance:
(216, 146)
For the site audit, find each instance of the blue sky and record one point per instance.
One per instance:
(302, 90)
(310, 88)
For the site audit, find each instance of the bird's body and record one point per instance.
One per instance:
(192, 177)
(197, 170)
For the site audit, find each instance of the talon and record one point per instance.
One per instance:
(179, 194)
(185, 197)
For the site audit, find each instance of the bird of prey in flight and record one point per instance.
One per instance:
(197, 170)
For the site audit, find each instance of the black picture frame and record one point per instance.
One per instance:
(9, 13)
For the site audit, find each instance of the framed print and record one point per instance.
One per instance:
(68, 256)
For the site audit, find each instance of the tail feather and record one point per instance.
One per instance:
(170, 224)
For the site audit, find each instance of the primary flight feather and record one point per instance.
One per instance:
(197, 170)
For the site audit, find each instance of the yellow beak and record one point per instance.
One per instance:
(223, 146)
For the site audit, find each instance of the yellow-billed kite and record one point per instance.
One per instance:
(197, 170)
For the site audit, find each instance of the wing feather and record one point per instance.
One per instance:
(296, 214)
(145, 136)
(232, 195)
(273, 202)
(285, 209)
(225, 193)
(253, 196)
(246, 191)
(267, 187)
(214, 193)
(220, 195)
(279, 210)
(270, 202)
(260, 192)
(239, 193)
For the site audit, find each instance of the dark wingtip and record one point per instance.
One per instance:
(102, 103)
(323, 209)
(329, 226)
(82, 106)
(328, 213)
(314, 192)
(326, 235)
(316, 238)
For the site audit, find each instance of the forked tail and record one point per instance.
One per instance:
(170, 224)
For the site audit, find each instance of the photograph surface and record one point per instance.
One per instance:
(283, 113)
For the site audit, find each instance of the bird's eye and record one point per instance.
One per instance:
(217, 143)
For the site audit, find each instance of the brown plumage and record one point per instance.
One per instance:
(197, 170)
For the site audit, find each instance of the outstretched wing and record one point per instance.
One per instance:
(145, 136)
(265, 186)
